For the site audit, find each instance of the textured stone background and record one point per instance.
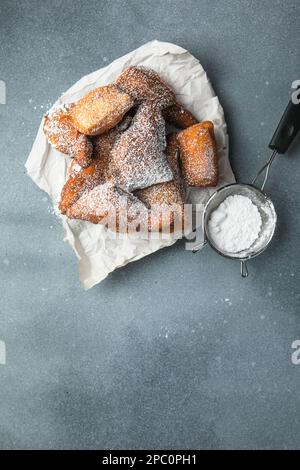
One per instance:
(176, 350)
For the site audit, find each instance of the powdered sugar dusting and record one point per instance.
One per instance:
(137, 159)
(145, 84)
(65, 138)
(107, 201)
(57, 128)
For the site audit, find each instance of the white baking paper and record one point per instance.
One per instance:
(98, 252)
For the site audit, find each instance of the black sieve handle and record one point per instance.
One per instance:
(288, 126)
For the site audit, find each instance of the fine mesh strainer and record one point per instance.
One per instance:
(285, 133)
(268, 216)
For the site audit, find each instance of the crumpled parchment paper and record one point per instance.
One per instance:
(98, 252)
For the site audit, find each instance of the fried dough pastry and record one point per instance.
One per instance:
(138, 159)
(78, 182)
(165, 204)
(145, 84)
(100, 110)
(166, 200)
(84, 179)
(198, 153)
(179, 116)
(127, 175)
(172, 153)
(66, 138)
(111, 206)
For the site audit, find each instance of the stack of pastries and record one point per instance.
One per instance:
(126, 172)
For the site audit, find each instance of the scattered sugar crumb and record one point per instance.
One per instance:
(262, 123)
(267, 82)
(262, 317)
(164, 332)
(51, 210)
(6, 261)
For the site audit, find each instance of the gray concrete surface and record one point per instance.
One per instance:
(176, 350)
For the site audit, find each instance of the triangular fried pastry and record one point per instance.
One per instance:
(100, 110)
(61, 133)
(198, 154)
(166, 200)
(145, 84)
(111, 206)
(138, 159)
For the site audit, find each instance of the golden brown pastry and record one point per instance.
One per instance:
(179, 116)
(66, 138)
(198, 154)
(109, 205)
(173, 157)
(128, 175)
(83, 179)
(100, 110)
(78, 182)
(165, 204)
(90, 194)
(144, 84)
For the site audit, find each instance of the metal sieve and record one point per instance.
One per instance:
(268, 216)
(285, 133)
